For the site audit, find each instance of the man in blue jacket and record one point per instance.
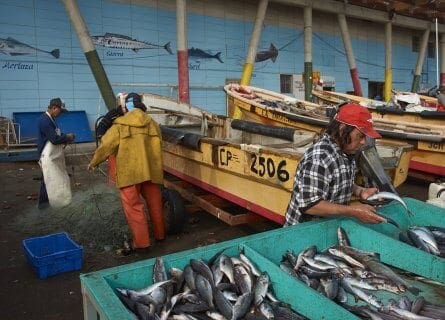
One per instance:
(49, 132)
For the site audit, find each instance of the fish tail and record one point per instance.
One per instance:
(168, 48)
(55, 53)
(218, 57)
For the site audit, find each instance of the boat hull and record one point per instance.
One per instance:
(248, 110)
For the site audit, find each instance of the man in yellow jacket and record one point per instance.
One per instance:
(135, 139)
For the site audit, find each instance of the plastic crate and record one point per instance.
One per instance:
(53, 254)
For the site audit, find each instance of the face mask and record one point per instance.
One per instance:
(129, 105)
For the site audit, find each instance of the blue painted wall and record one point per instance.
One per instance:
(28, 81)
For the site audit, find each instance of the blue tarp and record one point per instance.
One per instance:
(73, 121)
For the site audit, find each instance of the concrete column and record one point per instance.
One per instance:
(388, 59)
(90, 53)
(308, 53)
(442, 59)
(420, 59)
(253, 45)
(349, 54)
(181, 34)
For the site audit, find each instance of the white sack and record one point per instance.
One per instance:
(56, 178)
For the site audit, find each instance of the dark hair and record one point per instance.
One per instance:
(343, 138)
(141, 106)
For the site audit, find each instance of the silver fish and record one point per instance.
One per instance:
(309, 252)
(319, 265)
(425, 236)
(369, 298)
(189, 276)
(120, 41)
(243, 279)
(242, 305)
(266, 310)
(226, 266)
(12, 47)
(391, 196)
(329, 287)
(404, 313)
(261, 286)
(253, 269)
(143, 291)
(417, 304)
(343, 239)
(203, 269)
(170, 305)
(204, 289)
(359, 283)
(159, 272)
(343, 255)
(222, 303)
(380, 268)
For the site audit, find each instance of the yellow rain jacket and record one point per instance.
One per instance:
(135, 139)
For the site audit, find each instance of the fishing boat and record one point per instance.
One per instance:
(269, 107)
(406, 106)
(247, 163)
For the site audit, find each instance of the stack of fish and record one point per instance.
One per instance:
(224, 288)
(430, 239)
(341, 270)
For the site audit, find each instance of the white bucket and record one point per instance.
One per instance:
(436, 194)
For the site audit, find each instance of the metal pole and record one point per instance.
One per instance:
(437, 56)
(183, 71)
(420, 59)
(308, 53)
(349, 54)
(388, 58)
(253, 45)
(442, 59)
(90, 53)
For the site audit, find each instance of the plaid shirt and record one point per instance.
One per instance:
(324, 173)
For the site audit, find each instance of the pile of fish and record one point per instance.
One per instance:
(429, 238)
(223, 288)
(342, 269)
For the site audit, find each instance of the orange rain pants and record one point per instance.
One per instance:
(135, 212)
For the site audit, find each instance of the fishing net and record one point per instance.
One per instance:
(94, 219)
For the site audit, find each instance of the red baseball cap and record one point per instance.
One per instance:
(357, 116)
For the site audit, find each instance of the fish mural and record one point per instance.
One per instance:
(119, 41)
(13, 47)
(271, 53)
(201, 54)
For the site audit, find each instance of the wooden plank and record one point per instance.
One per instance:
(208, 206)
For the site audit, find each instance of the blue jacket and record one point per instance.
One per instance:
(47, 131)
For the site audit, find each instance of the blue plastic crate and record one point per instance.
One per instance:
(53, 254)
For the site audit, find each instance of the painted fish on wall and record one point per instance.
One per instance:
(119, 41)
(13, 47)
(271, 53)
(201, 54)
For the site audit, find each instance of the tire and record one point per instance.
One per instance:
(173, 211)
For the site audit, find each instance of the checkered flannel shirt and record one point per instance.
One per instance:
(324, 173)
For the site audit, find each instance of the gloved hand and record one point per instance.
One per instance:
(70, 137)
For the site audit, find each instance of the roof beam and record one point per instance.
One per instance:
(361, 13)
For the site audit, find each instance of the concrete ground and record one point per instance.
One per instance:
(24, 296)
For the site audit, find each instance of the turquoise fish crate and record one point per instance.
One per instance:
(53, 254)
(423, 214)
(266, 250)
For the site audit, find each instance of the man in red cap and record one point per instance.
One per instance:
(324, 181)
